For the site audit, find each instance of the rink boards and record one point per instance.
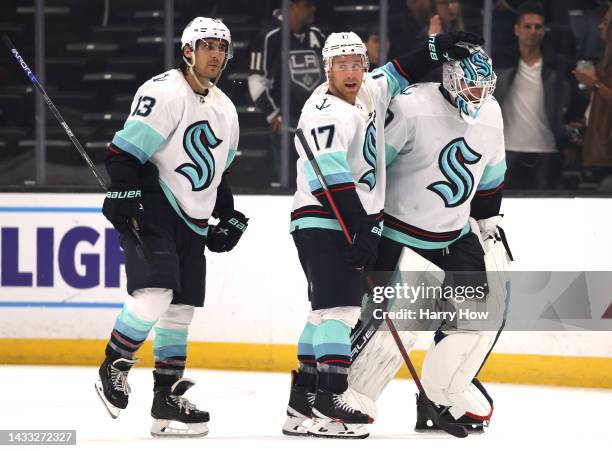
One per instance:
(61, 287)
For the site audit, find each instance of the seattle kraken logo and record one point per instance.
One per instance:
(369, 154)
(476, 65)
(453, 160)
(198, 141)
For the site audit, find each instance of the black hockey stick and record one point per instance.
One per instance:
(134, 225)
(452, 429)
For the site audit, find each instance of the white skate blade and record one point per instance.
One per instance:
(112, 410)
(294, 425)
(170, 428)
(324, 427)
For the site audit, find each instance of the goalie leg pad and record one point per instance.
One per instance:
(378, 361)
(374, 368)
(450, 365)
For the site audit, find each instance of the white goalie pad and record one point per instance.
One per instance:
(449, 368)
(380, 360)
(452, 363)
(374, 368)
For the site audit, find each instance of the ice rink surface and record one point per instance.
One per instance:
(247, 411)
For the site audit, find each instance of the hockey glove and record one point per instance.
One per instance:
(122, 204)
(438, 49)
(223, 236)
(364, 250)
(443, 47)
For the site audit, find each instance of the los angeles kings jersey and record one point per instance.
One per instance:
(437, 164)
(348, 144)
(190, 138)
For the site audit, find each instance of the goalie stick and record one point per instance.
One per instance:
(134, 225)
(452, 429)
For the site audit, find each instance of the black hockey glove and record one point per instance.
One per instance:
(435, 51)
(445, 48)
(364, 250)
(121, 205)
(223, 236)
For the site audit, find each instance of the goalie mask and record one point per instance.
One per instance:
(470, 82)
(206, 29)
(339, 44)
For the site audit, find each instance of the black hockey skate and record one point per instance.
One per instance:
(112, 387)
(299, 408)
(425, 424)
(175, 416)
(335, 418)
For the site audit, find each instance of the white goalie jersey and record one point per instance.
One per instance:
(437, 164)
(190, 138)
(348, 143)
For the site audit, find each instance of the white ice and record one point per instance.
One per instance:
(247, 411)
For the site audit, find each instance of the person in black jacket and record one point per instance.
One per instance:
(305, 67)
(535, 94)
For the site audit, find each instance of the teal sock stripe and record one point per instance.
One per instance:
(131, 326)
(305, 347)
(332, 337)
(169, 343)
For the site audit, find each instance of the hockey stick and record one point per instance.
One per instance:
(452, 429)
(73, 138)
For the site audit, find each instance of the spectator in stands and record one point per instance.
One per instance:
(584, 19)
(535, 95)
(446, 16)
(305, 66)
(597, 151)
(559, 36)
(408, 26)
(371, 38)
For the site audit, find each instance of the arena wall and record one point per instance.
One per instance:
(62, 280)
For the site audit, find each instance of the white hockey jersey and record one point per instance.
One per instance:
(348, 144)
(437, 164)
(190, 138)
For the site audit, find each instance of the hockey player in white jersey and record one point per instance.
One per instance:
(168, 176)
(343, 122)
(445, 150)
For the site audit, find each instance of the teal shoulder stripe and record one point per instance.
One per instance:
(331, 180)
(492, 184)
(408, 240)
(230, 157)
(130, 148)
(139, 139)
(199, 230)
(332, 163)
(314, 223)
(493, 172)
(390, 154)
(395, 80)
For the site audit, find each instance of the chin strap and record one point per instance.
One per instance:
(192, 72)
(197, 78)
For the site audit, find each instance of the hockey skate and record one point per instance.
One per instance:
(299, 408)
(175, 416)
(112, 387)
(425, 424)
(333, 417)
